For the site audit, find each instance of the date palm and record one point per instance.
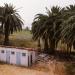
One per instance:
(68, 27)
(52, 26)
(11, 21)
(46, 26)
(37, 28)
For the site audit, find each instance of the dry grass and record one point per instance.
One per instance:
(70, 68)
(14, 70)
(21, 39)
(52, 67)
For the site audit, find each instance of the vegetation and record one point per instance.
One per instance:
(23, 39)
(10, 21)
(70, 69)
(57, 24)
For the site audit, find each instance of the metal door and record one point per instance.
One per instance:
(18, 58)
(8, 56)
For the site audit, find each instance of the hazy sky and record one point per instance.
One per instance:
(29, 8)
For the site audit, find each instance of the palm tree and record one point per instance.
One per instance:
(37, 28)
(46, 26)
(68, 27)
(53, 25)
(34, 31)
(68, 32)
(11, 21)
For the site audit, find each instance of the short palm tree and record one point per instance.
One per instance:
(11, 21)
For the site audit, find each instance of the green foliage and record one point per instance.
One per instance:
(46, 26)
(10, 20)
(57, 24)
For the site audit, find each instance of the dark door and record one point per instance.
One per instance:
(31, 59)
(28, 61)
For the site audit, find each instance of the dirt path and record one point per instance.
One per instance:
(13, 70)
(50, 68)
(56, 68)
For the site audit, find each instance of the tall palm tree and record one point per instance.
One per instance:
(53, 22)
(47, 26)
(34, 31)
(68, 27)
(37, 27)
(11, 21)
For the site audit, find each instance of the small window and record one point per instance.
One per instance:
(12, 52)
(2, 51)
(23, 54)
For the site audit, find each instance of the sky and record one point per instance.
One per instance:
(29, 8)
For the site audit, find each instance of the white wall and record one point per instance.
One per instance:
(13, 56)
(3, 55)
(33, 54)
(24, 59)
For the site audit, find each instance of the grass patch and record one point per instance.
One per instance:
(23, 43)
(70, 68)
(21, 39)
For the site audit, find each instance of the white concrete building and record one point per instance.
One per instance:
(18, 56)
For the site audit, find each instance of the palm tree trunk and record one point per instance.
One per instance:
(67, 48)
(74, 45)
(49, 43)
(56, 44)
(45, 45)
(39, 45)
(52, 46)
(6, 33)
(70, 49)
(6, 39)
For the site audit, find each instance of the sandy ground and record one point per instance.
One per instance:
(14, 70)
(41, 68)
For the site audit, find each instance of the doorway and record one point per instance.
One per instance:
(31, 59)
(8, 56)
(18, 58)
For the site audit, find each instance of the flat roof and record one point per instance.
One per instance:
(23, 48)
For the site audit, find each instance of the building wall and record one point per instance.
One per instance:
(32, 57)
(2, 54)
(7, 55)
(24, 58)
(17, 56)
(13, 56)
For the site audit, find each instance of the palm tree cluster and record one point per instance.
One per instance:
(10, 21)
(57, 24)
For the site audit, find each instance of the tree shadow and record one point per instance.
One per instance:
(64, 56)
